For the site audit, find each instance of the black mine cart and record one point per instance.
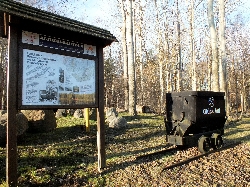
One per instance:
(195, 118)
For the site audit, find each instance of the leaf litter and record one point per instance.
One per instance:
(68, 157)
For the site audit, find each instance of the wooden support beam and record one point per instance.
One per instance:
(100, 114)
(2, 24)
(4, 18)
(11, 160)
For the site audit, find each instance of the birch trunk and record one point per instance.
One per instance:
(131, 63)
(179, 70)
(160, 58)
(222, 53)
(167, 58)
(194, 81)
(213, 40)
(141, 57)
(125, 57)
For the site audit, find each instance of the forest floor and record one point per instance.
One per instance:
(67, 156)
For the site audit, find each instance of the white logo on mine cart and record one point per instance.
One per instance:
(211, 109)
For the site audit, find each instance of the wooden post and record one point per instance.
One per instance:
(11, 161)
(2, 28)
(86, 116)
(100, 115)
(4, 18)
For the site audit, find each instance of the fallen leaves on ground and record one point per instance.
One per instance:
(68, 157)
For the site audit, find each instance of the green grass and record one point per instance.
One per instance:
(50, 158)
(238, 131)
(67, 156)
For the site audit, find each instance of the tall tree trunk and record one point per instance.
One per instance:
(243, 93)
(160, 59)
(179, 71)
(236, 64)
(194, 81)
(131, 62)
(213, 40)
(125, 57)
(222, 53)
(167, 58)
(141, 56)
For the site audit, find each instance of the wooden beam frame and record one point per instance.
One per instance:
(11, 26)
(11, 160)
(4, 25)
(100, 115)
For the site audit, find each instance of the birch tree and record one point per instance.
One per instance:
(179, 69)
(222, 49)
(192, 47)
(213, 41)
(139, 33)
(141, 54)
(125, 56)
(131, 60)
(222, 53)
(160, 57)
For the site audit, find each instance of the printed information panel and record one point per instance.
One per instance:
(53, 79)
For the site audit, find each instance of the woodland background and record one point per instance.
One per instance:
(165, 46)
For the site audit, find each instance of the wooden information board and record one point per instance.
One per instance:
(53, 62)
(63, 76)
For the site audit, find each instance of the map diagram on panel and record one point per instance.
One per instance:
(52, 79)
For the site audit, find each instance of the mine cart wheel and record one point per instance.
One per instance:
(204, 144)
(217, 141)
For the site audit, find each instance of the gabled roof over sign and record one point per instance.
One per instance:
(24, 11)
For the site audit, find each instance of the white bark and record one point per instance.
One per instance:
(125, 56)
(213, 40)
(160, 58)
(194, 81)
(167, 58)
(222, 40)
(131, 61)
(141, 55)
(222, 53)
(179, 70)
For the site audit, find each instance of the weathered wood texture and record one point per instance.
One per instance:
(11, 161)
(34, 20)
(100, 115)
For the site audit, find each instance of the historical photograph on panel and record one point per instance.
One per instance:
(53, 79)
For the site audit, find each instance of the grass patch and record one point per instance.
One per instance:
(238, 131)
(67, 156)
